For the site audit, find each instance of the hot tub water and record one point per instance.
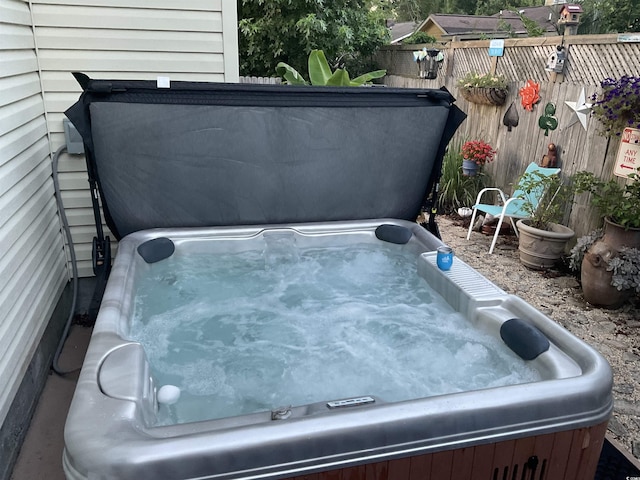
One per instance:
(238, 334)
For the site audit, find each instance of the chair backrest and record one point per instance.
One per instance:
(535, 195)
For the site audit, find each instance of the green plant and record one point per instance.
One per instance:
(620, 203)
(472, 79)
(349, 32)
(531, 26)
(455, 189)
(618, 104)
(320, 73)
(580, 248)
(625, 266)
(626, 269)
(545, 198)
(418, 38)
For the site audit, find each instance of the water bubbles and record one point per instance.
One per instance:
(331, 323)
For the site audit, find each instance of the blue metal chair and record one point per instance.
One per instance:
(511, 207)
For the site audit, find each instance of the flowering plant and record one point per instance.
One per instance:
(472, 79)
(618, 105)
(477, 151)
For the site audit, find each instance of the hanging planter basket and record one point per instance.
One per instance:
(484, 95)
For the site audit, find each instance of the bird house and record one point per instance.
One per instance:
(570, 14)
(555, 61)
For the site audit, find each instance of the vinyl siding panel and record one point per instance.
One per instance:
(17, 62)
(204, 5)
(15, 36)
(15, 12)
(117, 18)
(32, 261)
(193, 40)
(162, 62)
(16, 88)
(129, 40)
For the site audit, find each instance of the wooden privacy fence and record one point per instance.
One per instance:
(590, 59)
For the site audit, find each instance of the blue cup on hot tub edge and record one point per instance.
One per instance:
(444, 258)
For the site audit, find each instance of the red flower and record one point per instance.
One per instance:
(478, 151)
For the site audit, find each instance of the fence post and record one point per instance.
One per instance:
(494, 65)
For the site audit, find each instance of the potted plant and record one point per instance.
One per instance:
(456, 190)
(475, 154)
(485, 89)
(542, 238)
(609, 259)
(617, 106)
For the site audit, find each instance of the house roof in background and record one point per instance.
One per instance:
(402, 30)
(545, 16)
(454, 24)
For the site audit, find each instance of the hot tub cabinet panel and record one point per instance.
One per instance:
(566, 455)
(554, 427)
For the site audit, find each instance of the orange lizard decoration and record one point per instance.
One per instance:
(530, 94)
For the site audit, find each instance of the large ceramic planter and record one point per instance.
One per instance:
(594, 276)
(541, 249)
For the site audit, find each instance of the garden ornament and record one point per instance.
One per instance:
(530, 94)
(550, 160)
(555, 62)
(581, 110)
(548, 121)
(511, 117)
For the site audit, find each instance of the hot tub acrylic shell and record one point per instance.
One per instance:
(110, 429)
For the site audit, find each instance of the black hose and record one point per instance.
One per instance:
(72, 252)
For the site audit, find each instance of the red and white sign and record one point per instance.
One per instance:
(628, 159)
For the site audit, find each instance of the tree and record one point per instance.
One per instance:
(419, 10)
(272, 31)
(610, 16)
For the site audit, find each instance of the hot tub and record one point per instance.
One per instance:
(554, 426)
(203, 172)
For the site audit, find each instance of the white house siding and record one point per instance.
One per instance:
(41, 42)
(192, 40)
(32, 260)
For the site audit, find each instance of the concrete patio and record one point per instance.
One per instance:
(40, 457)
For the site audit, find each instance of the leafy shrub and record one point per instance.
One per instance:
(620, 203)
(417, 38)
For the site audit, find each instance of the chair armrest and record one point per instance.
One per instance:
(490, 189)
(510, 201)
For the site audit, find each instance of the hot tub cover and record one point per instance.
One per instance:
(207, 154)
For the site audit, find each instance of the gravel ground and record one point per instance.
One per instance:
(614, 333)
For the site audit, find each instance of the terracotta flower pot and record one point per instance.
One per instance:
(594, 276)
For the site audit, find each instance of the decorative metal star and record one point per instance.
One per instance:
(581, 110)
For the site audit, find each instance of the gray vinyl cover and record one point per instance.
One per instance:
(220, 154)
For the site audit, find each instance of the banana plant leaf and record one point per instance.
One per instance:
(319, 69)
(290, 74)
